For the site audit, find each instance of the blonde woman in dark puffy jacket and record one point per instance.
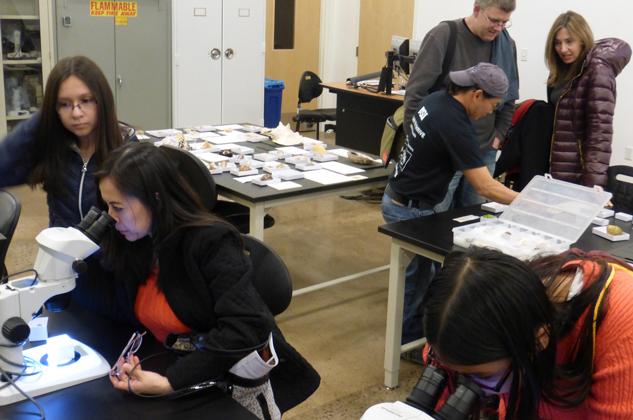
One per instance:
(581, 85)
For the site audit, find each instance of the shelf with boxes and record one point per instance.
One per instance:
(24, 59)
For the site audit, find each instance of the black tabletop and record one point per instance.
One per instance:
(435, 233)
(251, 192)
(97, 399)
(226, 183)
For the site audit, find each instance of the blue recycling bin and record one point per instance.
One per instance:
(273, 92)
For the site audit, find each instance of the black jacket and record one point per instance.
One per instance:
(206, 278)
(525, 152)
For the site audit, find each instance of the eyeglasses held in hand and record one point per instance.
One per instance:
(130, 349)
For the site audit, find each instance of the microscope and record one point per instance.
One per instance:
(62, 361)
(462, 404)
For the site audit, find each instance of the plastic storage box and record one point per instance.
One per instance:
(546, 218)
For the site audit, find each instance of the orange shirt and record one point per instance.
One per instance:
(153, 311)
(611, 395)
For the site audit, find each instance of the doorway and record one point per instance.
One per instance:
(288, 64)
(379, 20)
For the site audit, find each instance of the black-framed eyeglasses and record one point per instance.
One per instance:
(497, 22)
(67, 107)
(132, 346)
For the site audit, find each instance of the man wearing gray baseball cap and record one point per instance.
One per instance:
(442, 141)
(489, 77)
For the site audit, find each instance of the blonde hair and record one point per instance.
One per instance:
(578, 28)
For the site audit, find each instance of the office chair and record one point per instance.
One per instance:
(9, 214)
(200, 179)
(621, 189)
(310, 88)
(270, 275)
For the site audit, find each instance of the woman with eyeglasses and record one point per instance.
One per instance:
(62, 145)
(184, 275)
(552, 337)
(581, 85)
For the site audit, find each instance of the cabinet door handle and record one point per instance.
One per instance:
(119, 80)
(229, 53)
(215, 54)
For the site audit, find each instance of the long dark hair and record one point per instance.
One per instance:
(53, 139)
(144, 171)
(485, 306)
(576, 373)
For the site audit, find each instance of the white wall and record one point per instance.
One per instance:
(339, 38)
(530, 23)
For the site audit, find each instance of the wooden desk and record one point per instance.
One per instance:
(432, 237)
(361, 116)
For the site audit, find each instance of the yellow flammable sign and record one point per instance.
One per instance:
(121, 10)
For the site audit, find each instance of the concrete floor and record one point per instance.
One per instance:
(340, 330)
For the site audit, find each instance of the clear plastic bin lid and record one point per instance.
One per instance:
(559, 208)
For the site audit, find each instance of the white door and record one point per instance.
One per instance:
(197, 62)
(243, 57)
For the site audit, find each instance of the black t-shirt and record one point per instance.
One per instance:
(443, 142)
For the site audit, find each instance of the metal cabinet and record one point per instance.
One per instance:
(218, 61)
(133, 51)
(25, 59)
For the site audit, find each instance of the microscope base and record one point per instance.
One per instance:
(88, 366)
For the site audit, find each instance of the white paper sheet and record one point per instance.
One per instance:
(203, 128)
(163, 133)
(341, 168)
(229, 127)
(245, 179)
(325, 177)
(214, 148)
(211, 157)
(206, 135)
(285, 185)
(223, 139)
(293, 151)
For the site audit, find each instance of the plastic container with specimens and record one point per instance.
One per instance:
(547, 217)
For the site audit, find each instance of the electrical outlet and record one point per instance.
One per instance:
(628, 153)
(524, 54)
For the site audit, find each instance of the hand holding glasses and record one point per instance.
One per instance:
(130, 349)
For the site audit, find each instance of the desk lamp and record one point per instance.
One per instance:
(63, 361)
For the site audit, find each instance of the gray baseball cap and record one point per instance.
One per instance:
(487, 76)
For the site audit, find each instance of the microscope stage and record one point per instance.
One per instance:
(86, 366)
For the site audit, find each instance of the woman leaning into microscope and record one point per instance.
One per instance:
(552, 337)
(183, 273)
